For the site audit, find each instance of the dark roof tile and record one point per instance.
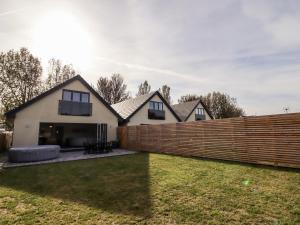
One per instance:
(185, 109)
(127, 107)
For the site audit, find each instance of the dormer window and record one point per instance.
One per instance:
(76, 96)
(156, 106)
(156, 111)
(199, 115)
(75, 103)
(67, 95)
(85, 97)
(199, 111)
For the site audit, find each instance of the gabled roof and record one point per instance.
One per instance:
(185, 109)
(12, 112)
(129, 107)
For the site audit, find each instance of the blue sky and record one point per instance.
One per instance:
(248, 49)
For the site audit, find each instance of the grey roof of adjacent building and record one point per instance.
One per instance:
(185, 109)
(128, 107)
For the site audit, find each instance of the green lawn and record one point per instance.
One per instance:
(149, 189)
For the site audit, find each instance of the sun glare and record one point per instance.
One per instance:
(60, 35)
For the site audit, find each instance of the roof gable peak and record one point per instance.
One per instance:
(78, 77)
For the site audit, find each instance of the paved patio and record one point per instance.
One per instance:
(70, 156)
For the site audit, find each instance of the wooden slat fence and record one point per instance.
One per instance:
(5, 141)
(269, 140)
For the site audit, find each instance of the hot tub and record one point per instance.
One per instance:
(33, 153)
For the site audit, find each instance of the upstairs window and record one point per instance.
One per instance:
(76, 96)
(199, 111)
(156, 106)
(85, 97)
(67, 95)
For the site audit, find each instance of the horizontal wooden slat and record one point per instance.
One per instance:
(269, 140)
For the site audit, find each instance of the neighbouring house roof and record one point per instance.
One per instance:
(185, 109)
(13, 112)
(129, 107)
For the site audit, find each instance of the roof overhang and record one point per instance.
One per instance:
(12, 113)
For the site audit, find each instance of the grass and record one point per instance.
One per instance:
(149, 189)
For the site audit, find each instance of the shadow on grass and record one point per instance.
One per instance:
(117, 184)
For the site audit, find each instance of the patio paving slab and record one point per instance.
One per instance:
(71, 156)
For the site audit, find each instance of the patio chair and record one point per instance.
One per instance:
(108, 147)
(90, 147)
(98, 147)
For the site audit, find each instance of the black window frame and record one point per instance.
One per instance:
(63, 95)
(88, 97)
(73, 91)
(156, 103)
(200, 110)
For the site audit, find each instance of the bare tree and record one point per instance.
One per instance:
(188, 98)
(58, 73)
(144, 88)
(2, 117)
(104, 88)
(3, 122)
(286, 109)
(221, 105)
(20, 77)
(165, 91)
(113, 90)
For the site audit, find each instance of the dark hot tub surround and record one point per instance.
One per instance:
(33, 153)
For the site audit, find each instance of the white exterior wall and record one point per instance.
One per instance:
(141, 117)
(192, 116)
(27, 121)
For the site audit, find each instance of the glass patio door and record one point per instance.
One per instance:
(101, 132)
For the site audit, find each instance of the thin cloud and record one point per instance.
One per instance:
(152, 69)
